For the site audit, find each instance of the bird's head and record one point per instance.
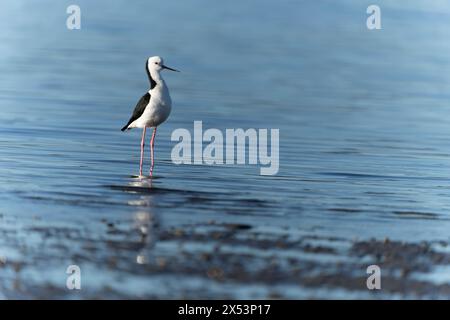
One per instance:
(156, 63)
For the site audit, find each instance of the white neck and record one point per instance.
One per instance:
(156, 75)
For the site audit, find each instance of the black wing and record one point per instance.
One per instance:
(138, 110)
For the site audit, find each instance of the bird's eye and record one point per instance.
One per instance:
(156, 62)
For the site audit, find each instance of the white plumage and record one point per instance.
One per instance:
(158, 109)
(154, 107)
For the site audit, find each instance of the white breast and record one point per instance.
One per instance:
(158, 108)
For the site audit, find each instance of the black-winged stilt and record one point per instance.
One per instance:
(153, 108)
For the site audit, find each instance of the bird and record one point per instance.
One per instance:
(153, 108)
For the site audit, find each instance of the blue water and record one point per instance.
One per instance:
(363, 117)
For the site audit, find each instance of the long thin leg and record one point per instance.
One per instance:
(142, 151)
(152, 146)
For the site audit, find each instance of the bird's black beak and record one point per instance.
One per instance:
(165, 67)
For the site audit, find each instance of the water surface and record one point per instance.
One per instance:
(364, 153)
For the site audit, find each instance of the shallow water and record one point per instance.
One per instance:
(363, 118)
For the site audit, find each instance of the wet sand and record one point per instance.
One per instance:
(212, 260)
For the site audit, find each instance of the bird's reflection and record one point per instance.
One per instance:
(146, 226)
(145, 221)
(141, 182)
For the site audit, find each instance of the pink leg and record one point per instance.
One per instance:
(152, 145)
(142, 151)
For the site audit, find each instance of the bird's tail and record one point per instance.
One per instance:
(124, 128)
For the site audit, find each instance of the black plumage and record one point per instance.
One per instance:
(152, 82)
(138, 110)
